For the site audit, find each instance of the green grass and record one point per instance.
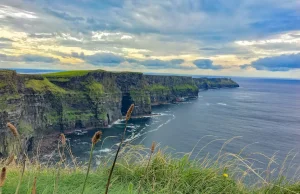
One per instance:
(43, 86)
(166, 174)
(95, 88)
(158, 88)
(68, 73)
(2, 85)
(185, 87)
(25, 128)
(71, 73)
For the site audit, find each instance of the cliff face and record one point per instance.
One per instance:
(42, 104)
(213, 83)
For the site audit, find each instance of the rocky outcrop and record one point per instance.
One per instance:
(44, 104)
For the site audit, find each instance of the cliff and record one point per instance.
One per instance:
(43, 104)
(213, 83)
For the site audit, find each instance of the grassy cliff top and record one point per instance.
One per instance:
(71, 73)
(164, 175)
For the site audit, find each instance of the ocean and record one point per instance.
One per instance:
(261, 117)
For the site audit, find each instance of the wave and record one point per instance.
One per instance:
(105, 150)
(118, 122)
(223, 104)
(83, 143)
(133, 137)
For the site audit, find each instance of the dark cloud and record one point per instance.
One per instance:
(207, 64)
(277, 20)
(208, 49)
(28, 58)
(42, 35)
(4, 57)
(64, 15)
(5, 39)
(295, 35)
(38, 58)
(104, 59)
(132, 60)
(277, 63)
(246, 66)
(78, 55)
(157, 63)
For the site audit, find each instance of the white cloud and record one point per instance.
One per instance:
(126, 37)
(8, 11)
(110, 36)
(67, 36)
(291, 37)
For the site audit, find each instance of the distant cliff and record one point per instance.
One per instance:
(213, 83)
(42, 104)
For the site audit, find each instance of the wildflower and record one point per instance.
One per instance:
(225, 175)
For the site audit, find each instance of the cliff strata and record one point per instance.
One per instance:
(43, 104)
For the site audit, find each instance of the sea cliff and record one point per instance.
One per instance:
(56, 102)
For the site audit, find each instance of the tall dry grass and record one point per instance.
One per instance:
(95, 139)
(128, 116)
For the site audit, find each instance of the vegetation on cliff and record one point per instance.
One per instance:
(44, 85)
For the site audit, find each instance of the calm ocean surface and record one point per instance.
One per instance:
(263, 114)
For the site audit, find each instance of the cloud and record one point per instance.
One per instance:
(78, 55)
(157, 63)
(110, 36)
(208, 49)
(28, 58)
(246, 66)
(5, 39)
(12, 12)
(277, 63)
(207, 64)
(104, 59)
(38, 58)
(150, 34)
(64, 15)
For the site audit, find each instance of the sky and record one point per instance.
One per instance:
(256, 38)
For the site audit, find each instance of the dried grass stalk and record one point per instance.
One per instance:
(10, 159)
(2, 176)
(13, 129)
(63, 139)
(128, 115)
(33, 191)
(153, 147)
(96, 137)
(146, 171)
(129, 112)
